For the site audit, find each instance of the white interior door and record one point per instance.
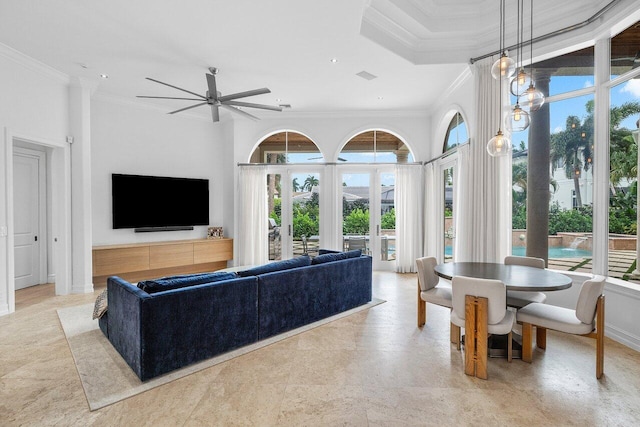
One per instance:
(27, 177)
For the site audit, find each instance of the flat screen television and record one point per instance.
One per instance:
(150, 203)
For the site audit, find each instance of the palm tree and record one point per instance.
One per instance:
(310, 182)
(572, 148)
(295, 185)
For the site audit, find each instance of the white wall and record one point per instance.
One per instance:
(133, 140)
(34, 103)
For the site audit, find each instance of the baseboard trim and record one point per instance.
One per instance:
(622, 337)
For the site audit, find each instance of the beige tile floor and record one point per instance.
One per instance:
(374, 368)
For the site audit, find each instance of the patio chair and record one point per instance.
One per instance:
(587, 319)
(357, 242)
(519, 299)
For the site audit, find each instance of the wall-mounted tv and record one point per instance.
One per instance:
(150, 203)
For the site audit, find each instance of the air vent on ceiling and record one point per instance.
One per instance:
(366, 75)
(285, 105)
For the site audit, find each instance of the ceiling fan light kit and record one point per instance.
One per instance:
(215, 99)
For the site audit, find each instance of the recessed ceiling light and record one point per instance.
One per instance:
(381, 98)
(334, 60)
(278, 99)
(104, 76)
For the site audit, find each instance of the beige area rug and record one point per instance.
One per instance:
(106, 377)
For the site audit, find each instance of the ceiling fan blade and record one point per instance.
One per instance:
(244, 94)
(176, 87)
(168, 97)
(189, 107)
(242, 113)
(215, 113)
(250, 105)
(211, 83)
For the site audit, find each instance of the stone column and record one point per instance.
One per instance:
(538, 176)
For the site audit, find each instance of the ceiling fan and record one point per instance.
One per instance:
(216, 100)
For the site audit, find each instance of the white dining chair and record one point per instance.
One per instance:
(519, 299)
(587, 319)
(431, 289)
(480, 306)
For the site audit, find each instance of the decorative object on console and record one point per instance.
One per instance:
(215, 233)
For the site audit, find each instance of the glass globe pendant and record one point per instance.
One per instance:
(520, 82)
(499, 145)
(504, 67)
(532, 99)
(518, 119)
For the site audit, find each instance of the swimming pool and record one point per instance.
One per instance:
(553, 252)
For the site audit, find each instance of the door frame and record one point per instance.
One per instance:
(59, 161)
(41, 156)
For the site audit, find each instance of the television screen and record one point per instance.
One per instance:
(158, 201)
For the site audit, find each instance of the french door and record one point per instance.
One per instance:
(294, 212)
(368, 213)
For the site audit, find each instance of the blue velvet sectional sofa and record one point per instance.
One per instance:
(165, 324)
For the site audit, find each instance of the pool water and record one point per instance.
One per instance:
(553, 252)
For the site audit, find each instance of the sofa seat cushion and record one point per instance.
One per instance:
(183, 281)
(335, 256)
(301, 261)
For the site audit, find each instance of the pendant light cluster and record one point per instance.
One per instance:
(528, 98)
(502, 69)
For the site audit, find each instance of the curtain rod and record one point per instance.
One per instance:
(543, 37)
(327, 164)
(447, 154)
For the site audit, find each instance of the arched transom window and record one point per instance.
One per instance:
(287, 147)
(375, 146)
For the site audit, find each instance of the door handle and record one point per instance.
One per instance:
(377, 229)
(36, 237)
(289, 229)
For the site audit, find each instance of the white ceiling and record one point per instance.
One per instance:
(416, 48)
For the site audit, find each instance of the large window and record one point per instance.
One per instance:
(623, 154)
(564, 127)
(568, 119)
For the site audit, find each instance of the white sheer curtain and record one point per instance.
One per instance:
(462, 205)
(253, 243)
(431, 204)
(484, 227)
(408, 202)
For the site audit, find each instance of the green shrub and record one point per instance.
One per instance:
(357, 222)
(388, 220)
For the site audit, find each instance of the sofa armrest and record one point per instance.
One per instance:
(124, 320)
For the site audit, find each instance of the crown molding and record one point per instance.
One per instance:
(33, 64)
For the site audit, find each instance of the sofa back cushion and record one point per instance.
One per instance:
(183, 281)
(301, 261)
(335, 256)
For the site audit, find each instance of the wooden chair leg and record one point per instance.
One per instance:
(422, 310)
(470, 336)
(600, 337)
(455, 335)
(509, 347)
(527, 348)
(541, 337)
(482, 337)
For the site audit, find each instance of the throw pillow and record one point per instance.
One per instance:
(330, 256)
(183, 281)
(100, 307)
(301, 261)
(321, 259)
